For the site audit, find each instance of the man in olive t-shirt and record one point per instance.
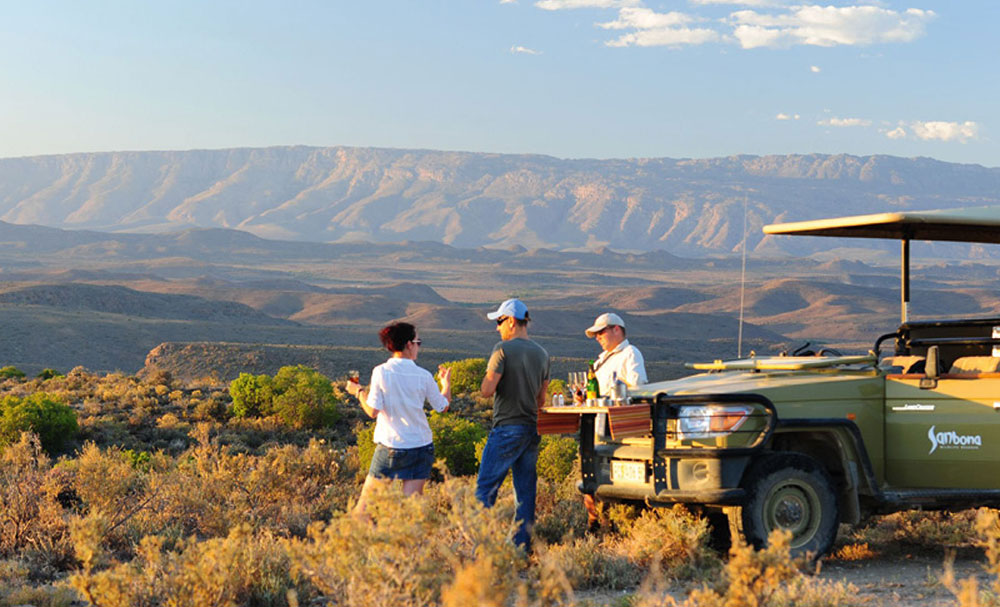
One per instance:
(517, 377)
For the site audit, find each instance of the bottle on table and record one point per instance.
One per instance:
(593, 388)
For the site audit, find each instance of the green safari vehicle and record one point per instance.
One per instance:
(806, 442)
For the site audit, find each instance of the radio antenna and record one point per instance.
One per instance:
(743, 281)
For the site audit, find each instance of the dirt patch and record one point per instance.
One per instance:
(884, 581)
(906, 580)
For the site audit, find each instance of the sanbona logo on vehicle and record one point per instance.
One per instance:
(953, 440)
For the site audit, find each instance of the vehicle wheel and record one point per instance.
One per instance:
(790, 491)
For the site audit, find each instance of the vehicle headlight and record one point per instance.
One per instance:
(710, 421)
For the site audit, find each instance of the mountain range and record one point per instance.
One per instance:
(689, 207)
(212, 263)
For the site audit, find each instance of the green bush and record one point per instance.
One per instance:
(41, 413)
(466, 375)
(140, 460)
(557, 386)
(298, 396)
(455, 441)
(48, 374)
(363, 434)
(252, 394)
(304, 398)
(556, 457)
(9, 372)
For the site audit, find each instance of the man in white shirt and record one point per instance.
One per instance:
(619, 360)
(618, 357)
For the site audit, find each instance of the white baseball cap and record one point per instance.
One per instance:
(608, 319)
(512, 307)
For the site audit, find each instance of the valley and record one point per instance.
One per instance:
(223, 301)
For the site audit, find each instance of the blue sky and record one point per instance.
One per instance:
(568, 78)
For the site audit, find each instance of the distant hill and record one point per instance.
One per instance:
(261, 325)
(128, 302)
(469, 200)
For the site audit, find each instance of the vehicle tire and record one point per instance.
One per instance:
(790, 491)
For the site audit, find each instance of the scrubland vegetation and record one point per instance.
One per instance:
(120, 491)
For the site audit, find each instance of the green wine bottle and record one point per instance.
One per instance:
(593, 388)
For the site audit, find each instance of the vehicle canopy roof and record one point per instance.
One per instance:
(973, 224)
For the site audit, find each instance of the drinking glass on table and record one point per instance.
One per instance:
(579, 384)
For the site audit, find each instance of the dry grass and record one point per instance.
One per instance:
(249, 513)
(854, 552)
(967, 591)
(917, 530)
(766, 578)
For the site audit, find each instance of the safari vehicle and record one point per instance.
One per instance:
(806, 442)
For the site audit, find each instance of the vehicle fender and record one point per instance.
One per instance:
(837, 445)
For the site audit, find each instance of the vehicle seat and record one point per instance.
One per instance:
(902, 364)
(976, 364)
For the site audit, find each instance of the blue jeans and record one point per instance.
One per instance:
(513, 448)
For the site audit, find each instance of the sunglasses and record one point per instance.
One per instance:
(501, 320)
(417, 341)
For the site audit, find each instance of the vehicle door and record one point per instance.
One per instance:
(943, 433)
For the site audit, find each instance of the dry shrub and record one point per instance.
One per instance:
(125, 487)
(410, 549)
(31, 518)
(854, 552)
(766, 578)
(15, 588)
(240, 569)
(967, 591)
(673, 537)
(477, 583)
(587, 563)
(12, 573)
(285, 489)
(207, 491)
(105, 480)
(918, 529)
(169, 421)
(38, 596)
(559, 511)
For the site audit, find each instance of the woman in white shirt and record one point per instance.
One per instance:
(404, 447)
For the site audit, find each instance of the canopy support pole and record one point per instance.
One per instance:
(904, 278)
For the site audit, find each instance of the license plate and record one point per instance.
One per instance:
(628, 472)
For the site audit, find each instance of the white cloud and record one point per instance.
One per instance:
(508, 1)
(658, 29)
(815, 69)
(845, 122)
(896, 133)
(934, 130)
(558, 5)
(758, 3)
(644, 18)
(516, 49)
(757, 23)
(945, 131)
(828, 26)
(666, 37)
(784, 116)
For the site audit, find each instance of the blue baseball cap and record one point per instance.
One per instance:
(512, 307)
